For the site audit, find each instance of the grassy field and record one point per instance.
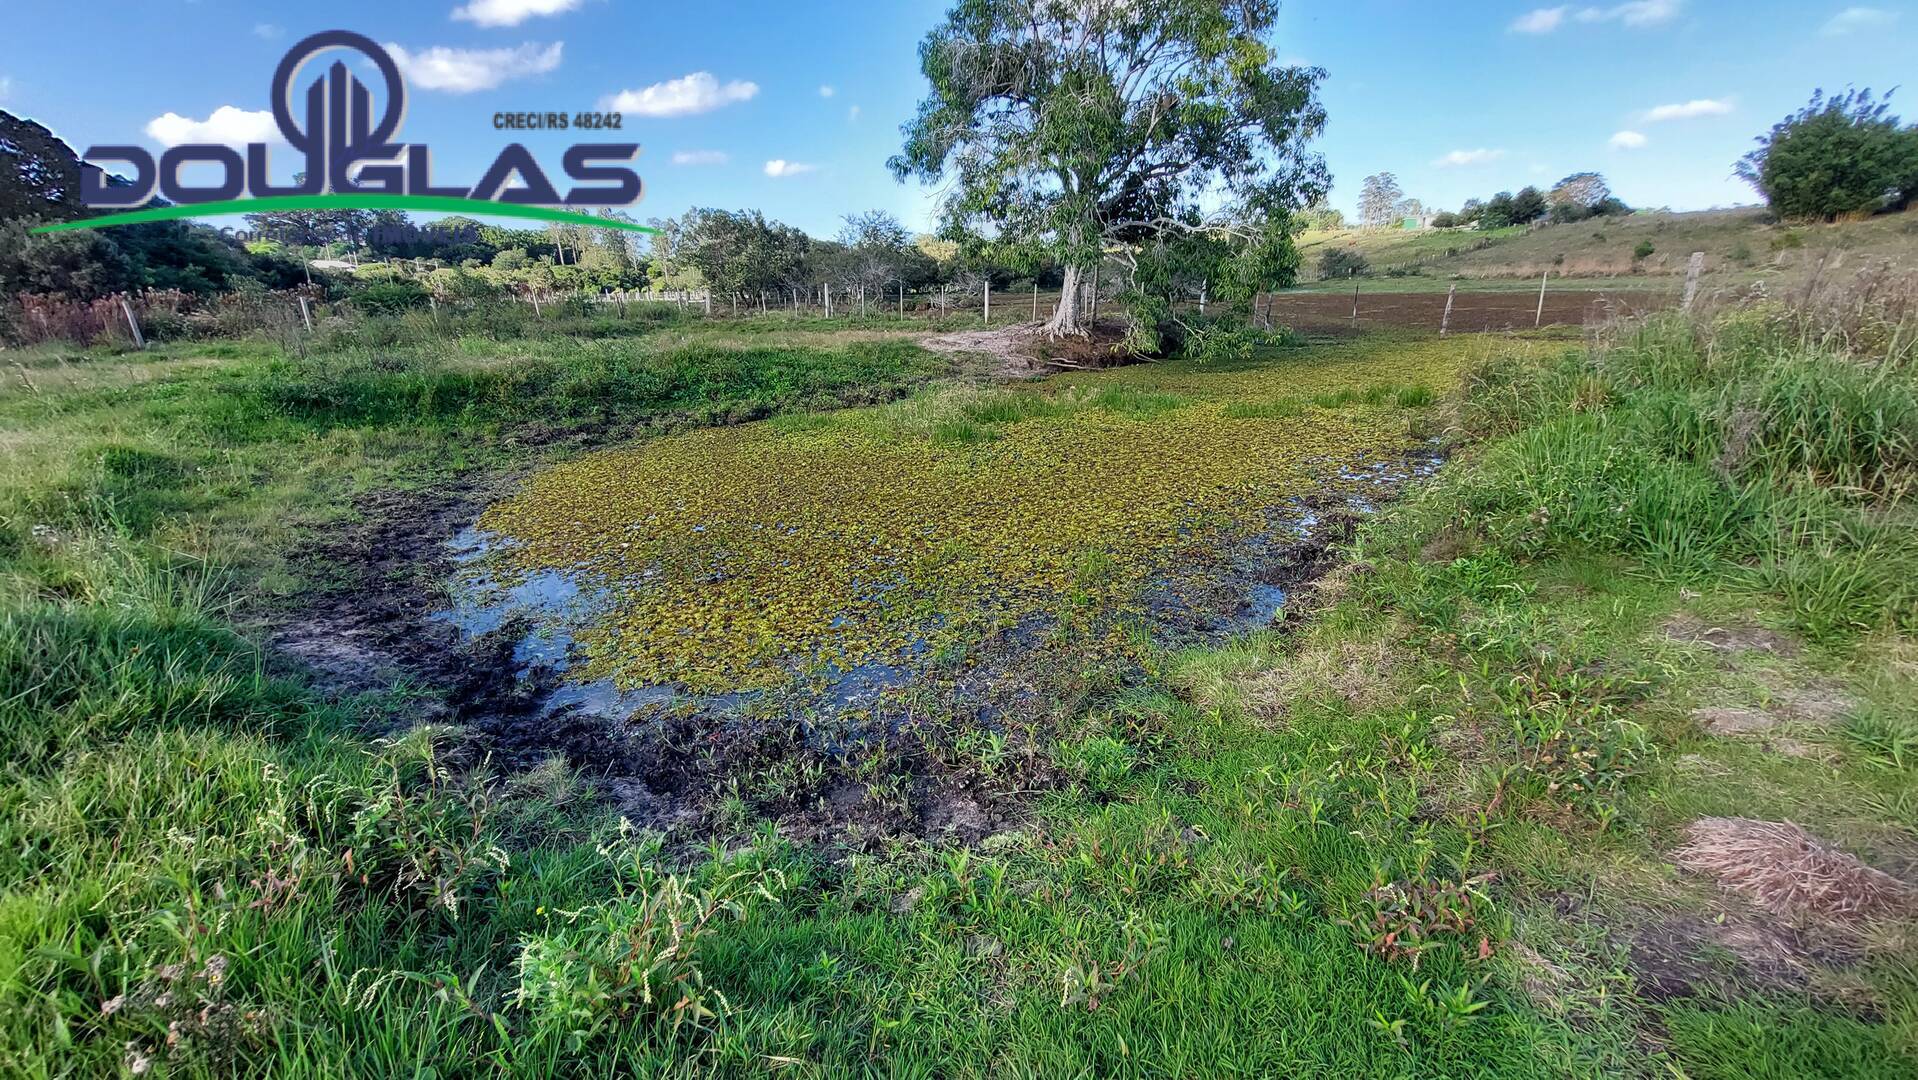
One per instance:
(1740, 246)
(1433, 824)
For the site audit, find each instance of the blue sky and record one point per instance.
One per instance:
(1457, 99)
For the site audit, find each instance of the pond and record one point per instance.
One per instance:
(840, 553)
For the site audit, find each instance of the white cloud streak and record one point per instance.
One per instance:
(462, 71)
(511, 12)
(700, 157)
(1636, 13)
(688, 95)
(780, 167)
(267, 31)
(1627, 140)
(1541, 21)
(827, 91)
(1688, 110)
(1458, 158)
(1853, 19)
(226, 126)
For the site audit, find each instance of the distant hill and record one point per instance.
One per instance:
(1738, 244)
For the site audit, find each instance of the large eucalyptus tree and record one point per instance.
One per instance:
(1084, 124)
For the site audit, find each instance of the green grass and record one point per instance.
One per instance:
(1412, 835)
(1740, 246)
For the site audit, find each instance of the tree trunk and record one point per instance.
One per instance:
(1069, 318)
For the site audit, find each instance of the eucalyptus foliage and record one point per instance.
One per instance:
(1074, 127)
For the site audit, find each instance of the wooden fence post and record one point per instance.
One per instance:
(988, 296)
(902, 298)
(1035, 298)
(826, 291)
(1538, 319)
(535, 303)
(133, 324)
(1445, 320)
(1355, 297)
(306, 315)
(1691, 280)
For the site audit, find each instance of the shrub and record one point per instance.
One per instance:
(390, 297)
(1343, 262)
(1643, 251)
(1836, 156)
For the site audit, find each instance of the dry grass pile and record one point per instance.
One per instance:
(1787, 871)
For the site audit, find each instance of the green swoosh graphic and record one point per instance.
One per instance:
(450, 204)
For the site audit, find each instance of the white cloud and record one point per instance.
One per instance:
(1541, 21)
(267, 31)
(6, 87)
(685, 96)
(1632, 13)
(227, 126)
(700, 157)
(1688, 110)
(827, 91)
(510, 12)
(1468, 157)
(1627, 140)
(1857, 18)
(852, 114)
(462, 71)
(780, 167)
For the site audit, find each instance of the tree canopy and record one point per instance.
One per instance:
(731, 251)
(1379, 199)
(1073, 125)
(1839, 155)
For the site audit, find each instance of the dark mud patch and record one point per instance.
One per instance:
(1722, 953)
(1686, 956)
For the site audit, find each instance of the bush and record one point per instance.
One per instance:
(390, 297)
(1643, 251)
(1836, 156)
(1342, 262)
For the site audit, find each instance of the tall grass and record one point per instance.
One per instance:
(1769, 444)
